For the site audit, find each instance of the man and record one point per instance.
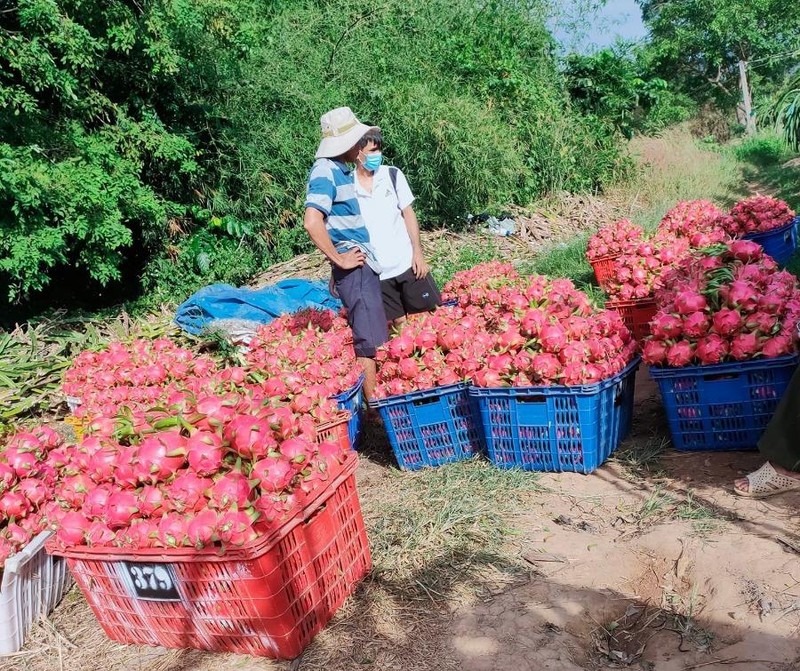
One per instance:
(385, 201)
(334, 223)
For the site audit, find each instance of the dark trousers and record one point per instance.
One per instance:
(360, 291)
(780, 443)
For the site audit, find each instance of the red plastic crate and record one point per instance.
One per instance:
(603, 269)
(269, 598)
(336, 431)
(636, 313)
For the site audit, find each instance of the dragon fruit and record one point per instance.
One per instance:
(613, 240)
(757, 214)
(728, 302)
(698, 221)
(710, 349)
(637, 274)
(511, 331)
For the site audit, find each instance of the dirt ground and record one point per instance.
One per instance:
(650, 563)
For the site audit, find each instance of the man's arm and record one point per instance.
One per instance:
(314, 222)
(418, 263)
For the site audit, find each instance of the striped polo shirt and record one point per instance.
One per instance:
(331, 190)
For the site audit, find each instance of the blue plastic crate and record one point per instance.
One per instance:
(352, 400)
(724, 406)
(779, 243)
(431, 427)
(557, 428)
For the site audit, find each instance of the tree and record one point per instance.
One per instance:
(469, 96)
(698, 44)
(784, 111)
(614, 85)
(103, 109)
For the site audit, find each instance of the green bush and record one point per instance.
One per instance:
(469, 97)
(615, 85)
(161, 146)
(201, 259)
(766, 148)
(104, 118)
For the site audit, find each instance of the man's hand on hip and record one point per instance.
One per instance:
(353, 258)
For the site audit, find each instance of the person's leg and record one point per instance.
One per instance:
(780, 444)
(391, 291)
(360, 291)
(370, 375)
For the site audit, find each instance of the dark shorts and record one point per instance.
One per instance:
(406, 295)
(360, 291)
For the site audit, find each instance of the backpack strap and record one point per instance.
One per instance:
(393, 177)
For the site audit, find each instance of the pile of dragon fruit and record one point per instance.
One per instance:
(506, 331)
(637, 273)
(141, 373)
(311, 350)
(179, 450)
(697, 221)
(696, 224)
(757, 214)
(724, 303)
(214, 471)
(208, 470)
(29, 465)
(619, 238)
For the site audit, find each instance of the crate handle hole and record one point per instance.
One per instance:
(720, 376)
(532, 399)
(426, 401)
(315, 514)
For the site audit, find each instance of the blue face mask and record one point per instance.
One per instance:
(373, 162)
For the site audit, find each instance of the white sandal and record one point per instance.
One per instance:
(766, 481)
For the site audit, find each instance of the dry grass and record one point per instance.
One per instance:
(673, 167)
(441, 539)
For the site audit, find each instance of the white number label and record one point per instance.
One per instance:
(152, 581)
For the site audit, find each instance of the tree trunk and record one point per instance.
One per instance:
(747, 103)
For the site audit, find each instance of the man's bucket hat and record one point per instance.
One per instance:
(340, 132)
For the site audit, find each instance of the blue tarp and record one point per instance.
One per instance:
(223, 301)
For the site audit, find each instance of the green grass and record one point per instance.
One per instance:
(691, 510)
(765, 149)
(770, 167)
(446, 259)
(704, 519)
(429, 525)
(655, 506)
(781, 179)
(661, 506)
(675, 166)
(642, 457)
(566, 259)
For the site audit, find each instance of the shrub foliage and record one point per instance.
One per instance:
(163, 145)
